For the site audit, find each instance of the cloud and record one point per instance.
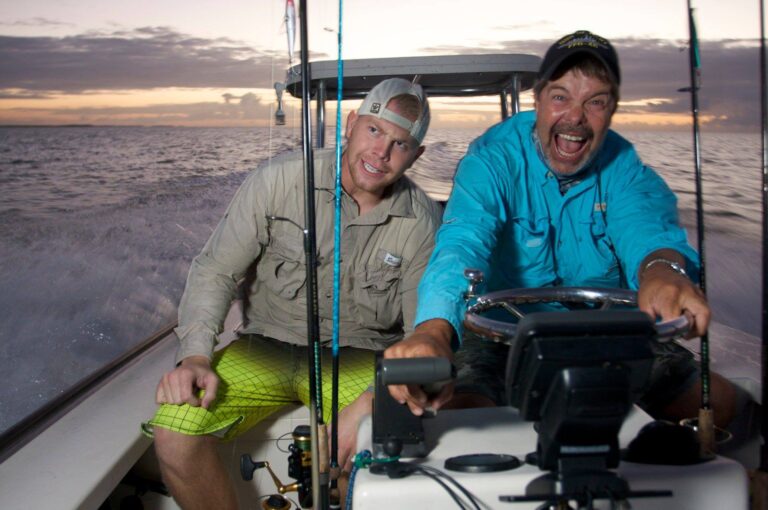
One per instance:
(35, 22)
(653, 70)
(156, 57)
(143, 58)
(246, 110)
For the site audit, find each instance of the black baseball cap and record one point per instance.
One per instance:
(580, 41)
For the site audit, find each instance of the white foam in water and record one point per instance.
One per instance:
(99, 226)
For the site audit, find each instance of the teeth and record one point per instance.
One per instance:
(371, 168)
(572, 138)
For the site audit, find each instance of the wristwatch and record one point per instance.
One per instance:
(669, 263)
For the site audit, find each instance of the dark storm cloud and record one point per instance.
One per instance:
(656, 69)
(145, 58)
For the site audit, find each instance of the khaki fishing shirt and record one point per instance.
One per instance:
(383, 254)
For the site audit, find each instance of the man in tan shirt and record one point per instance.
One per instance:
(388, 227)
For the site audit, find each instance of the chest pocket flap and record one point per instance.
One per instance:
(282, 266)
(376, 294)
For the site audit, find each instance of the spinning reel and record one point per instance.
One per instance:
(299, 468)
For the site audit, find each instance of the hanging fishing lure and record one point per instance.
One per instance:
(290, 28)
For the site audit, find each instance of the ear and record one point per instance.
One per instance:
(351, 120)
(419, 152)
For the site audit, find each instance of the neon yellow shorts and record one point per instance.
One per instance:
(259, 376)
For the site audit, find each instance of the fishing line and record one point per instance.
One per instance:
(337, 255)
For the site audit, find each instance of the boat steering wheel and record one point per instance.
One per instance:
(600, 298)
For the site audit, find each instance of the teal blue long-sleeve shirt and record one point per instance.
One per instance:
(507, 217)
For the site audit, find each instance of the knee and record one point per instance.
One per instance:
(174, 449)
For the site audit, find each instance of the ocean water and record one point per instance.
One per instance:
(99, 225)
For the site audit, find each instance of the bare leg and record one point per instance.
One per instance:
(722, 401)
(193, 471)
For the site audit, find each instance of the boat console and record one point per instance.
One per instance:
(570, 436)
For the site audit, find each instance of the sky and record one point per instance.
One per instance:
(213, 63)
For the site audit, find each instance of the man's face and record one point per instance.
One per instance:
(378, 153)
(573, 114)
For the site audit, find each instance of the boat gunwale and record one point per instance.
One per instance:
(34, 424)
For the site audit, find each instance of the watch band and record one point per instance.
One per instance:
(669, 263)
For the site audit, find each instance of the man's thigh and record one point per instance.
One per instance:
(255, 381)
(356, 373)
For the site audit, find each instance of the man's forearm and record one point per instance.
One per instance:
(439, 329)
(660, 262)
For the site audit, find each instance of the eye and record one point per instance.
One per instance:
(597, 104)
(373, 129)
(558, 98)
(402, 145)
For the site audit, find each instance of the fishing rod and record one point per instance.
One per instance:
(317, 426)
(764, 146)
(337, 266)
(706, 420)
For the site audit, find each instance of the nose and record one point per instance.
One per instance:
(383, 148)
(574, 113)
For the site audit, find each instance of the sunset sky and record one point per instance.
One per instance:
(172, 61)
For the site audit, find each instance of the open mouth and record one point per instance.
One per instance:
(371, 169)
(570, 147)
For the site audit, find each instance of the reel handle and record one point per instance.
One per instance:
(248, 466)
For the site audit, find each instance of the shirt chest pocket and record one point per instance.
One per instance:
(376, 295)
(281, 268)
(532, 248)
(601, 267)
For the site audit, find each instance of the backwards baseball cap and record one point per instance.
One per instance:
(581, 41)
(375, 103)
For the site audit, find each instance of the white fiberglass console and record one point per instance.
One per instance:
(716, 484)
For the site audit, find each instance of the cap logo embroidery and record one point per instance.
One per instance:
(375, 107)
(583, 39)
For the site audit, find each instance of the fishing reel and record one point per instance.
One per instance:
(299, 468)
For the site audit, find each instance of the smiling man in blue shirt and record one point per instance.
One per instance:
(553, 197)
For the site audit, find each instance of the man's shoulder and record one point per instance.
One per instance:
(618, 142)
(619, 152)
(291, 160)
(289, 165)
(510, 131)
(424, 207)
